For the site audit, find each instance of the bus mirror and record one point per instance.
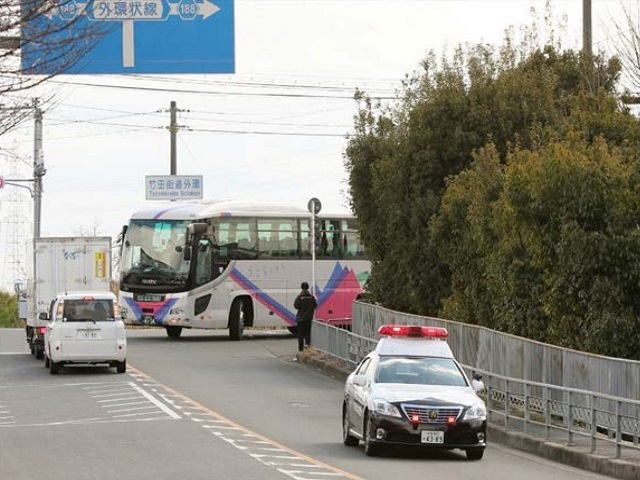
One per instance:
(122, 241)
(186, 253)
(197, 229)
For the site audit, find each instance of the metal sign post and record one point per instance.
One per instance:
(314, 206)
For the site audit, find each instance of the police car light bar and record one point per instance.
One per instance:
(413, 331)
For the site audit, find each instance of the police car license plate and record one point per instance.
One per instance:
(431, 436)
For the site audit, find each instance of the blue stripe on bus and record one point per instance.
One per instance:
(263, 298)
(158, 315)
(337, 276)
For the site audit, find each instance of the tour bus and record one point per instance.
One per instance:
(224, 264)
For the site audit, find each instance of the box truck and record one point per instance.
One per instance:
(62, 265)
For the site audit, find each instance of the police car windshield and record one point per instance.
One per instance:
(420, 371)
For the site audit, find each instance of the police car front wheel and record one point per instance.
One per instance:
(370, 447)
(348, 439)
(475, 453)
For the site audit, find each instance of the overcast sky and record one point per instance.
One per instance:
(256, 134)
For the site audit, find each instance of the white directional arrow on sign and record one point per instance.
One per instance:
(128, 11)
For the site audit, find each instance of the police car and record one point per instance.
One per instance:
(410, 391)
(85, 328)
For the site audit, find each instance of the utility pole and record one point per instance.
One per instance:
(173, 130)
(38, 168)
(586, 28)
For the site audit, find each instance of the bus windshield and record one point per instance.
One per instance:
(152, 254)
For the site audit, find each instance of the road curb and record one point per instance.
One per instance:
(556, 452)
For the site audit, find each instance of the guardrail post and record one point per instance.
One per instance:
(594, 426)
(506, 403)
(547, 413)
(618, 430)
(569, 421)
(488, 389)
(527, 417)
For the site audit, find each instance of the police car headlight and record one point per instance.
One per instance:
(385, 408)
(176, 311)
(476, 412)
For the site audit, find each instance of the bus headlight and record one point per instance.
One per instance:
(124, 313)
(176, 311)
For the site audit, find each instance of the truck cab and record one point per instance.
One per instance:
(85, 328)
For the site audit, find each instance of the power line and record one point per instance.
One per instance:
(208, 92)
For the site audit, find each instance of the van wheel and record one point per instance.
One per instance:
(174, 332)
(121, 367)
(39, 352)
(54, 368)
(236, 319)
(46, 362)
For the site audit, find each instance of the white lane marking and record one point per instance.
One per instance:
(126, 404)
(57, 385)
(281, 457)
(119, 399)
(126, 415)
(96, 386)
(156, 402)
(295, 473)
(87, 421)
(219, 427)
(291, 463)
(132, 409)
(122, 392)
(107, 393)
(15, 353)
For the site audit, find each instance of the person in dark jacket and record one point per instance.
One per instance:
(305, 303)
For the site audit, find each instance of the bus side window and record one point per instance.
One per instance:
(336, 241)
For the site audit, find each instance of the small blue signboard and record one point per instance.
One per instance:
(130, 36)
(173, 187)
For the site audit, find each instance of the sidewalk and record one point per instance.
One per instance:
(577, 455)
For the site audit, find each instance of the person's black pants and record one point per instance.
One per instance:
(304, 334)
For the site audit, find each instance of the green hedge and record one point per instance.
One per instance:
(9, 311)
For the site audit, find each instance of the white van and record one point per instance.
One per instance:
(85, 328)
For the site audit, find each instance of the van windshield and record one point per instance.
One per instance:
(88, 310)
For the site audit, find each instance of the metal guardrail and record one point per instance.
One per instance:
(547, 411)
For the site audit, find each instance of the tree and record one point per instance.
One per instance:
(9, 311)
(49, 36)
(627, 49)
(467, 188)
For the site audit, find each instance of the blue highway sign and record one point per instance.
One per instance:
(132, 36)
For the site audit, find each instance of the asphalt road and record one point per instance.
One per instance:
(202, 407)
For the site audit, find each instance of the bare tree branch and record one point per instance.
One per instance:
(40, 39)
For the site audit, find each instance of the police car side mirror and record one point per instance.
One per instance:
(477, 384)
(359, 380)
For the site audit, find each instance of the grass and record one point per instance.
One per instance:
(9, 311)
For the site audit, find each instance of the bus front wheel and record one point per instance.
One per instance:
(236, 319)
(174, 332)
